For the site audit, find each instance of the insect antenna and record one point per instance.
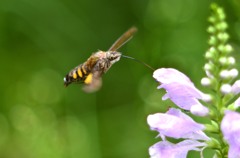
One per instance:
(139, 61)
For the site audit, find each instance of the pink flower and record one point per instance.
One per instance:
(176, 124)
(166, 149)
(180, 90)
(237, 103)
(230, 127)
(236, 87)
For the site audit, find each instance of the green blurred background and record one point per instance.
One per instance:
(40, 41)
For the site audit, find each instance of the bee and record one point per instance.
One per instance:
(90, 72)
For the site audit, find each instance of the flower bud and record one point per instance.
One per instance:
(229, 48)
(213, 143)
(223, 37)
(226, 88)
(223, 61)
(233, 73)
(212, 40)
(221, 26)
(211, 54)
(206, 82)
(212, 19)
(211, 29)
(208, 67)
(214, 128)
(225, 49)
(231, 60)
(221, 14)
(224, 74)
(207, 98)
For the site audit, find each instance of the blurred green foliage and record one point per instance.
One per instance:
(40, 41)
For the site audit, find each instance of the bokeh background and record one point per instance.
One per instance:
(41, 40)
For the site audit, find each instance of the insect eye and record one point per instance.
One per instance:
(114, 55)
(66, 80)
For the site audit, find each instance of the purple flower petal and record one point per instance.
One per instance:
(237, 103)
(236, 87)
(166, 149)
(180, 90)
(230, 127)
(169, 75)
(176, 124)
(183, 98)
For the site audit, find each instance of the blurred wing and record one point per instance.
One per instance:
(93, 82)
(123, 39)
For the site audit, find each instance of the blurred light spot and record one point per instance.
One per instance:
(16, 93)
(147, 89)
(173, 11)
(23, 119)
(47, 116)
(144, 89)
(236, 28)
(4, 129)
(151, 95)
(45, 87)
(78, 137)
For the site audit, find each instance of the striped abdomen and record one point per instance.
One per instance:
(78, 74)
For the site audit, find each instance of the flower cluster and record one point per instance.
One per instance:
(218, 106)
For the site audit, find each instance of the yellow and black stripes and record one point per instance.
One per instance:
(80, 73)
(89, 79)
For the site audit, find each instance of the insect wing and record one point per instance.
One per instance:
(123, 39)
(93, 82)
